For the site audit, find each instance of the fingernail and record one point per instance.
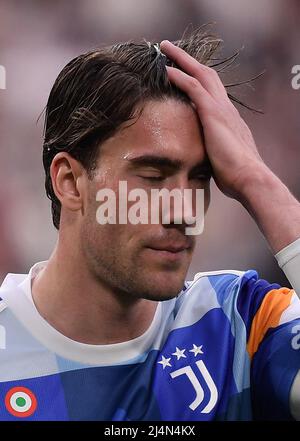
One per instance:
(165, 41)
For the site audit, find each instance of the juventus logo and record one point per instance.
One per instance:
(188, 371)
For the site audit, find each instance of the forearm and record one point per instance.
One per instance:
(275, 210)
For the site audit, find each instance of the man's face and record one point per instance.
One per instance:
(163, 149)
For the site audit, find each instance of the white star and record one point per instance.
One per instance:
(179, 353)
(196, 350)
(165, 362)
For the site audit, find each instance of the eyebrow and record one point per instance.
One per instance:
(163, 161)
(154, 160)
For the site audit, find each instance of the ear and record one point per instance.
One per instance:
(68, 177)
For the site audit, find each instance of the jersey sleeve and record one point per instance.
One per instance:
(274, 348)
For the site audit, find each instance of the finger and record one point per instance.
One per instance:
(191, 86)
(208, 77)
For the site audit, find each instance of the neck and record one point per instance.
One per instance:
(79, 306)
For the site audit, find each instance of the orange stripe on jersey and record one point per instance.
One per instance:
(268, 316)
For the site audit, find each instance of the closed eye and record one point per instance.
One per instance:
(202, 177)
(153, 178)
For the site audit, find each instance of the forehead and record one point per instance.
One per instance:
(168, 128)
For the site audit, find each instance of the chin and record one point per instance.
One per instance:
(160, 290)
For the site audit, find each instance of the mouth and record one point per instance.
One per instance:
(171, 253)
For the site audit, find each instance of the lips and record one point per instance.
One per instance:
(171, 248)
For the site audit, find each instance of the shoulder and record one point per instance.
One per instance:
(213, 289)
(244, 287)
(246, 295)
(226, 284)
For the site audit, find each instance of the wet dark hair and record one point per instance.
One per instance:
(98, 91)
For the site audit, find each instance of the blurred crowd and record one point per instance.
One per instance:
(38, 37)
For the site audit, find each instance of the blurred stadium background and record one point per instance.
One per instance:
(38, 37)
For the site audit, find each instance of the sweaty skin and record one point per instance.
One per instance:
(102, 282)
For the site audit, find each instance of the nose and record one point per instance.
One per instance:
(173, 212)
(182, 208)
